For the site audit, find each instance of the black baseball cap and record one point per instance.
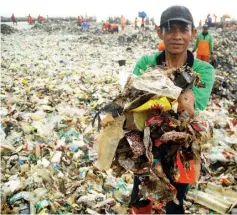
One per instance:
(176, 13)
(205, 27)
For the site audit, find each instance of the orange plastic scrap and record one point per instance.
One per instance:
(161, 46)
(185, 176)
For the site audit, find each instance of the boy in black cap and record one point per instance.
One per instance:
(176, 30)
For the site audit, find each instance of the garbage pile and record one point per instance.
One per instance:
(216, 190)
(148, 38)
(52, 85)
(94, 32)
(6, 29)
(225, 61)
(61, 27)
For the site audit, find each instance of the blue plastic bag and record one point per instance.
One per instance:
(85, 26)
(142, 14)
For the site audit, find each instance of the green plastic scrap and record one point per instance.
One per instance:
(32, 157)
(41, 204)
(122, 186)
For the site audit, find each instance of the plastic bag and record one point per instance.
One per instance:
(155, 81)
(108, 141)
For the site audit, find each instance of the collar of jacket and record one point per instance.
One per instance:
(160, 59)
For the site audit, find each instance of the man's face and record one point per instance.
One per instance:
(177, 37)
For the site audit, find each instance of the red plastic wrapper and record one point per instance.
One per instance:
(155, 120)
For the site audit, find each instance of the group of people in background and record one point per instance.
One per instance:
(107, 26)
(30, 19)
(136, 23)
(203, 45)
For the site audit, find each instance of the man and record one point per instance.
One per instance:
(13, 18)
(200, 24)
(204, 45)
(112, 28)
(176, 30)
(123, 23)
(47, 19)
(143, 23)
(135, 24)
(30, 19)
(79, 21)
(105, 26)
(40, 19)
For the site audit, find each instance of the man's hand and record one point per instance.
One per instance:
(186, 103)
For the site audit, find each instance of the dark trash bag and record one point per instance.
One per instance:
(122, 62)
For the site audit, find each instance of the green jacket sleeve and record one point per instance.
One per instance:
(144, 62)
(207, 76)
(211, 44)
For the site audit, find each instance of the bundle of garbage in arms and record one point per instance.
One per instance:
(153, 120)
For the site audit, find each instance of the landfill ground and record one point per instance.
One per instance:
(54, 77)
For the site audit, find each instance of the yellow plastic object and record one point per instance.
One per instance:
(154, 104)
(24, 81)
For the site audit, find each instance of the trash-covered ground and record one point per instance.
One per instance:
(6, 29)
(54, 77)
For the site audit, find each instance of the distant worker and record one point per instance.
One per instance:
(79, 21)
(30, 19)
(40, 19)
(152, 21)
(135, 23)
(143, 23)
(204, 45)
(215, 17)
(105, 26)
(147, 21)
(82, 20)
(13, 18)
(161, 46)
(209, 20)
(113, 28)
(47, 19)
(200, 24)
(123, 22)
